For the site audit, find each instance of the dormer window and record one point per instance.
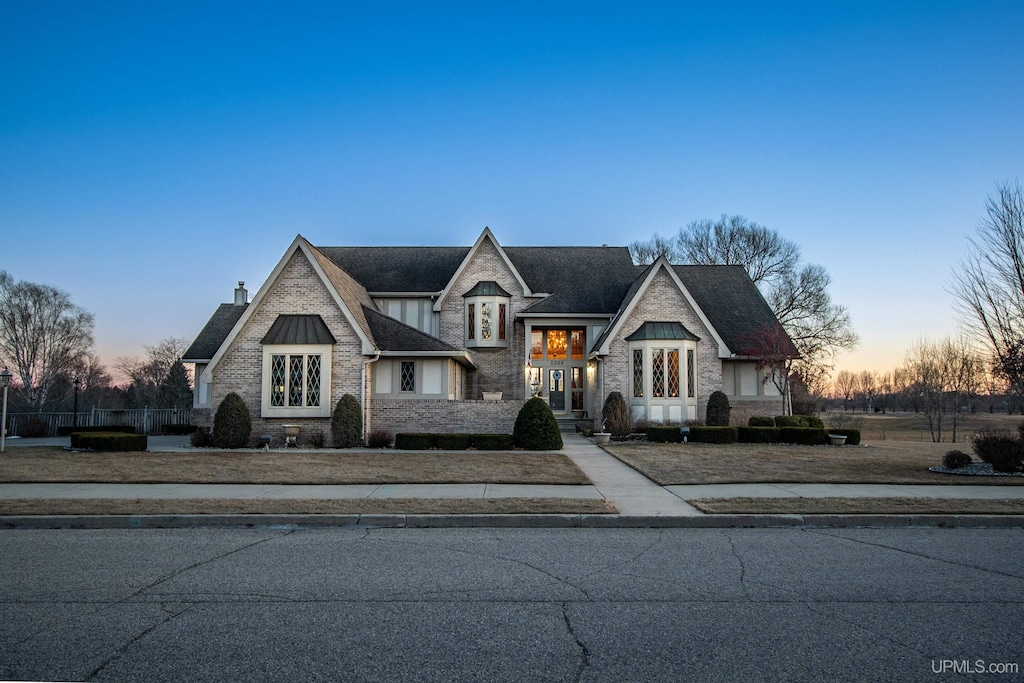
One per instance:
(487, 310)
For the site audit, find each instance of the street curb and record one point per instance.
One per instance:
(506, 521)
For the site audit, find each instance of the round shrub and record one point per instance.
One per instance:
(718, 410)
(954, 460)
(232, 425)
(1002, 450)
(615, 415)
(536, 428)
(347, 423)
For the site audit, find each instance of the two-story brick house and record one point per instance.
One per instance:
(419, 334)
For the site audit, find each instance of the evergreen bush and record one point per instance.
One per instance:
(493, 442)
(761, 421)
(616, 416)
(411, 441)
(124, 429)
(347, 423)
(536, 428)
(109, 441)
(758, 434)
(716, 434)
(954, 460)
(718, 410)
(1000, 449)
(664, 434)
(232, 424)
(804, 436)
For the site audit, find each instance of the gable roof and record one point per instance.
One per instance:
(213, 333)
(486, 235)
(637, 290)
(346, 292)
(731, 301)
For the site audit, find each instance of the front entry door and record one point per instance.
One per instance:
(556, 390)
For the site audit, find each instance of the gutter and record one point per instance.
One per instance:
(362, 390)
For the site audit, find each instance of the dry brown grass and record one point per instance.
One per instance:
(914, 426)
(857, 506)
(43, 464)
(358, 506)
(883, 462)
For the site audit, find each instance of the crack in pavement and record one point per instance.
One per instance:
(743, 566)
(915, 554)
(584, 653)
(120, 649)
(557, 579)
(857, 625)
(621, 563)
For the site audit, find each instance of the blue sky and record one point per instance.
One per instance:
(152, 154)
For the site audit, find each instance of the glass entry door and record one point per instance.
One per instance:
(556, 390)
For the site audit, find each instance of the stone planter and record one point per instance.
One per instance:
(601, 438)
(492, 395)
(837, 439)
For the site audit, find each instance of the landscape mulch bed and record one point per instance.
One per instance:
(884, 462)
(858, 506)
(54, 465)
(357, 506)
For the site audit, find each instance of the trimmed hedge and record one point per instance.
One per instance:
(120, 429)
(758, 434)
(109, 441)
(714, 434)
(413, 441)
(761, 421)
(664, 434)
(809, 421)
(852, 435)
(179, 430)
(804, 436)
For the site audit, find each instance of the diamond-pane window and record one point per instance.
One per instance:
(312, 380)
(690, 374)
(277, 384)
(638, 373)
(501, 321)
(408, 376)
(673, 373)
(295, 380)
(471, 321)
(658, 373)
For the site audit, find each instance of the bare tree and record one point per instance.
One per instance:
(845, 384)
(733, 241)
(989, 286)
(775, 355)
(42, 335)
(928, 376)
(645, 252)
(797, 294)
(147, 374)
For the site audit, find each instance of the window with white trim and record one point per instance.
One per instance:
(659, 372)
(296, 380)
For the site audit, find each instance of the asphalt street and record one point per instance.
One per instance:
(509, 605)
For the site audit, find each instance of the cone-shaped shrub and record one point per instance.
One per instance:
(615, 415)
(718, 410)
(231, 424)
(347, 423)
(536, 428)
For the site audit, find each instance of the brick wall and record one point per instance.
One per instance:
(498, 369)
(297, 290)
(742, 409)
(444, 417)
(664, 302)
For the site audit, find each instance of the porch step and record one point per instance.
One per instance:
(568, 424)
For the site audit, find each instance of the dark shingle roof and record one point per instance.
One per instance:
(580, 279)
(731, 301)
(298, 329)
(394, 335)
(214, 333)
(399, 269)
(671, 330)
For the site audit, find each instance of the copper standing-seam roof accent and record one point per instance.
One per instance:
(298, 329)
(671, 330)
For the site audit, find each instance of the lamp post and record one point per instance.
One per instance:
(74, 418)
(5, 380)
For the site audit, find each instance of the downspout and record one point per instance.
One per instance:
(362, 388)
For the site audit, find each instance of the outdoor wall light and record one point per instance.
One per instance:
(5, 381)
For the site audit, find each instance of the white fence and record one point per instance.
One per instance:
(145, 420)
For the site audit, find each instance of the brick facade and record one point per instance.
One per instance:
(442, 416)
(662, 301)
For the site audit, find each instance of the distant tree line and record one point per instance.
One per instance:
(46, 342)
